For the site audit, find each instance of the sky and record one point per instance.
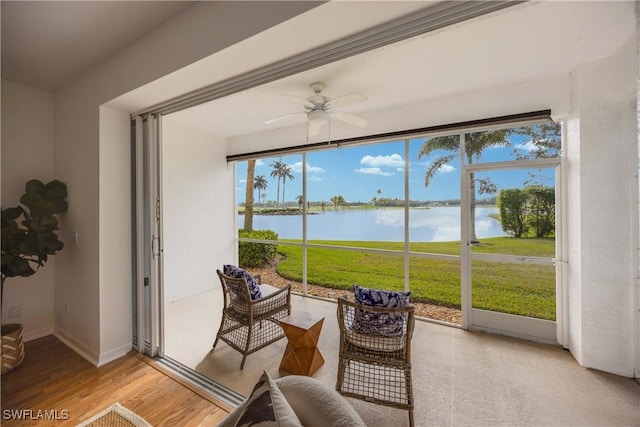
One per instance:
(377, 170)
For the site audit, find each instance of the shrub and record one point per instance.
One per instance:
(542, 210)
(252, 254)
(512, 204)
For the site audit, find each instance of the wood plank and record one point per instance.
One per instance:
(52, 377)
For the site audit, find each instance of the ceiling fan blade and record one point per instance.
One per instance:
(351, 119)
(304, 101)
(286, 116)
(348, 99)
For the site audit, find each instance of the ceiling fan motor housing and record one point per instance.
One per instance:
(318, 116)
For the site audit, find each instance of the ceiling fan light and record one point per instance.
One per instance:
(318, 117)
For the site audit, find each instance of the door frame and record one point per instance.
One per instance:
(540, 330)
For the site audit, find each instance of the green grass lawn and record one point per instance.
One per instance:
(527, 290)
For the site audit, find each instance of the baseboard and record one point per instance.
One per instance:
(34, 335)
(114, 354)
(77, 346)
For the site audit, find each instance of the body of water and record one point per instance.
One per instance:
(437, 224)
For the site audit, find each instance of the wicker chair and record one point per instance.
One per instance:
(376, 366)
(249, 325)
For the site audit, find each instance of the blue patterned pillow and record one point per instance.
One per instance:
(238, 273)
(385, 324)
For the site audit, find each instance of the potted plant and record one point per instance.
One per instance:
(28, 239)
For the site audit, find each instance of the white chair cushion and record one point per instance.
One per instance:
(260, 307)
(375, 342)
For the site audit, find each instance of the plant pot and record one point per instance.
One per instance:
(12, 346)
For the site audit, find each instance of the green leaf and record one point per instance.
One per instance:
(11, 214)
(29, 231)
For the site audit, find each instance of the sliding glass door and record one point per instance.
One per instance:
(147, 220)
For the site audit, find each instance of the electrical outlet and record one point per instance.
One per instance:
(15, 311)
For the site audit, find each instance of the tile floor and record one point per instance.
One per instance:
(460, 378)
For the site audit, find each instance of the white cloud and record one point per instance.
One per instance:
(394, 160)
(260, 162)
(315, 178)
(242, 181)
(527, 146)
(374, 171)
(297, 168)
(446, 168)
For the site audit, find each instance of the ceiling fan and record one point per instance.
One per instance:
(319, 109)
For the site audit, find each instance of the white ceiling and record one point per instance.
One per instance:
(519, 44)
(46, 44)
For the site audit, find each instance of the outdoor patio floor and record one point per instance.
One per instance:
(460, 378)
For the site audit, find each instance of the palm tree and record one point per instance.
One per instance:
(260, 183)
(475, 144)
(285, 174)
(342, 201)
(300, 201)
(277, 173)
(248, 202)
(336, 201)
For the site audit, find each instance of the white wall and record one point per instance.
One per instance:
(82, 274)
(197, 188)
(602, 161)
(115, 214)
(27, 152)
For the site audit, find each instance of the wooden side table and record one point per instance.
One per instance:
(302, 356)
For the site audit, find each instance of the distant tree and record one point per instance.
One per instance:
(475, 144)
(300, 201)
(285, 174)
(260, 183)
(337, 201)
(248, 202)
(277, 173)
(546, 141)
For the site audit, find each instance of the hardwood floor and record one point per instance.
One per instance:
(55, 379)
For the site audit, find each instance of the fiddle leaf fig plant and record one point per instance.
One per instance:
(29, 230)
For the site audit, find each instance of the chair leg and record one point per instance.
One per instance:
(224, 316)
(244, 357)
(341, 368)
(246, 346)
(411, 422)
